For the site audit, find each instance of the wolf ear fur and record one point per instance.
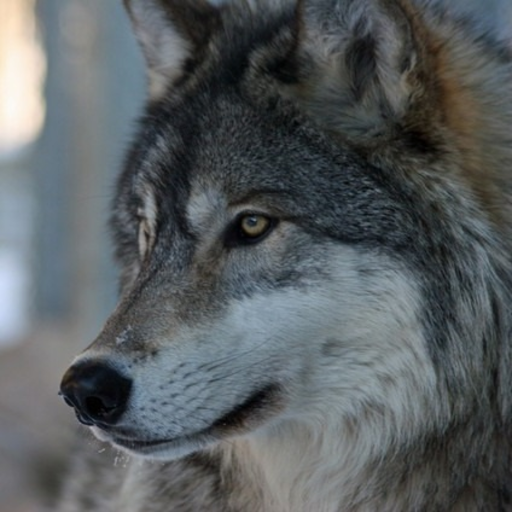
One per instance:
(170, 33)
(356, 61)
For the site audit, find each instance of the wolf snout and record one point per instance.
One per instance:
(98, 393)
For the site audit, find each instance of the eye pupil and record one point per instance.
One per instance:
(251, 222)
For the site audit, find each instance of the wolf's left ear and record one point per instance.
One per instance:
(171, 34)
(356, 64)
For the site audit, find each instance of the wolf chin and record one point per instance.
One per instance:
(314, 228)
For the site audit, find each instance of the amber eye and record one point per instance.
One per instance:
(249, 229)
(254, 226)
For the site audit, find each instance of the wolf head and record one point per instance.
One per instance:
(296, 241)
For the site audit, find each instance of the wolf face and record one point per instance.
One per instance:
(304, 238)
(240, 283)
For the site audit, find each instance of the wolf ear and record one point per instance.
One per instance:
(171, 33)
(356, 63)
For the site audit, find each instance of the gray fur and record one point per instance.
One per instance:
(358, 358)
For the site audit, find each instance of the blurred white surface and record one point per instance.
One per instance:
(14, 286)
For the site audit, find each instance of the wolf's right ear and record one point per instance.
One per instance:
(358, 66)
(171, 34)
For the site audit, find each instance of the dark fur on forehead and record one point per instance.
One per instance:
(246, 34)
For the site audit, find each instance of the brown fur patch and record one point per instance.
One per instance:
(462, 112)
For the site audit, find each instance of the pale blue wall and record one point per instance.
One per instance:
(94, 89)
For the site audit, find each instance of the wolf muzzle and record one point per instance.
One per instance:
(98, 393)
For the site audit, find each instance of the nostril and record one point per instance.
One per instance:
(96, 408)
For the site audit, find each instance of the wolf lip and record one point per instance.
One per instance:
(138, 444)
(235, 420)
(158, 447)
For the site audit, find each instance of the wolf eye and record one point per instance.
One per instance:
(250, 229)
(253, 226)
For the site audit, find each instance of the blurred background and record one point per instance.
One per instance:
(71, 85)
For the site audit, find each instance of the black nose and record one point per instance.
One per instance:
(98, 393)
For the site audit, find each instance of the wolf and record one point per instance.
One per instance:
(314, 230)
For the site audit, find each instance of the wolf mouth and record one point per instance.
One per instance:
(250, 413)
(152, 446)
